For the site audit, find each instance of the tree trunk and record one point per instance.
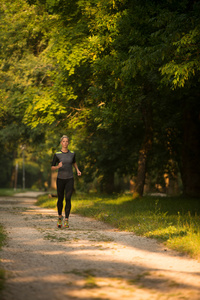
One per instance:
(107, 183)
(190, 170)
(145, 148)
(141, 172)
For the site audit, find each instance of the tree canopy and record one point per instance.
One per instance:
(120, 77)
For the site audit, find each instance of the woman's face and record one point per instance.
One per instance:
(65, 142)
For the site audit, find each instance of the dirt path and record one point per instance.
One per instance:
(90, 260)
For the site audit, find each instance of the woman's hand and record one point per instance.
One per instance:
(78, 172)
(60, 165)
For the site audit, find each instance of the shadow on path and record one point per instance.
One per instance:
(91, 260)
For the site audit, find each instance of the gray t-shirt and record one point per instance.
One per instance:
(67, 158)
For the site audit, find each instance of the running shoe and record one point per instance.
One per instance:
(59, 223)
(66, 224)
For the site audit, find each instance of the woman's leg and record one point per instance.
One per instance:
(69, 187)
(60, 192)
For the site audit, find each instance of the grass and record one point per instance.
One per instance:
(3, 192)
(2, 272)
(7, 192)
(11, 192)
(90, 280)
(172, 220)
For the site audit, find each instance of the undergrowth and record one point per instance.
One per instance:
(2, 272)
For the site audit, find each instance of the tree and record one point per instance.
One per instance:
(24, 39)
(119, 76)
(154, 38)
(181, 72)
(124, 49)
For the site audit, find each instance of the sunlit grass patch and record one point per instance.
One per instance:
(46, 202)
(189, 244)
(167, 233)
(90, 282)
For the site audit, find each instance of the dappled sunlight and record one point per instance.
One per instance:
(90, 260)
(51, 253)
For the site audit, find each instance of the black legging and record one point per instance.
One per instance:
(64, 186)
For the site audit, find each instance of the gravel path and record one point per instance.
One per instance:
(90, 260)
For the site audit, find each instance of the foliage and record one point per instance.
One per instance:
(25, 35)
(117, 76)
(184, 65)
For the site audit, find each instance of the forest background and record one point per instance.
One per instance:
(120, 78)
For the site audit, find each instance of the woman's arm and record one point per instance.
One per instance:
(53, 168)
(77, 169)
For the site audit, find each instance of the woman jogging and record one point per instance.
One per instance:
(63, 161)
